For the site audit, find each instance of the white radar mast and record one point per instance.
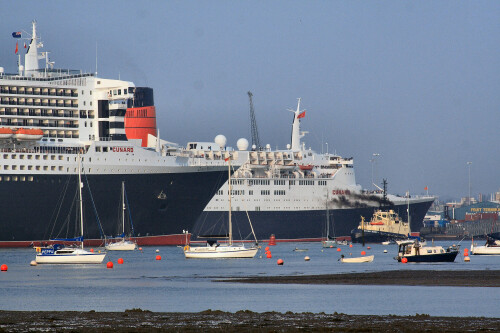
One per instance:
(296, 133)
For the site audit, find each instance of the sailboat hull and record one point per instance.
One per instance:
(219, 252)
(121, 246)
(75, 257)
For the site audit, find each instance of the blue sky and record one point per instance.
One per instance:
(416, 82)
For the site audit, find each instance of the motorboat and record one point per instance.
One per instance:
(492, 247)
(413, 251)
(357, 259)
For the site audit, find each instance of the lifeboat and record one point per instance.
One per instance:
(6, 133)
(28, 134)
(376, 223)
(306, 167)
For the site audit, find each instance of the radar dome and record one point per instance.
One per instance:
(242, 144)
(220, 140)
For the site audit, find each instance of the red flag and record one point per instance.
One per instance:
(226, 159)
(301, 115)
(25, 45)
(17, 47)
(425, 188)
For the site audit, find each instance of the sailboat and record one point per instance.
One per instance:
(59, 254)
(122, 244)
(214, 250)
(329, 242)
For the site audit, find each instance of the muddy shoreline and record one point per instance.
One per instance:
(472, 278)
(136, 320)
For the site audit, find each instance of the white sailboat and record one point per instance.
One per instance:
(58, 254)
(213, 250)
(122, 244)
(328, 242)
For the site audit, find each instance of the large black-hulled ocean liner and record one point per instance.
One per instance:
(49, 117)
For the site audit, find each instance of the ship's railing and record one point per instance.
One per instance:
(46, 150)
(63, 74)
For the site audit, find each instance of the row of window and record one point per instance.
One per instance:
(69, 103)
(16, 178)
(45, 91)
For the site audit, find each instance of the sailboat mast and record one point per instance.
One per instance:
(229, 180)
(123, 208)
(327, 218)
(80, 185)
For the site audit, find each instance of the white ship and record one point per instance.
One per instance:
(47, 117)
(289, 192)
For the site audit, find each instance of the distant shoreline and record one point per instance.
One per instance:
(241, 321)
(452, 278)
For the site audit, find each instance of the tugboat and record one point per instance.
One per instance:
(413, 251)
(385, 226)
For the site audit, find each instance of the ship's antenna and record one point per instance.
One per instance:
(96, 58)
(253, 124)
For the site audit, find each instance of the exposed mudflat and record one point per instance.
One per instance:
(472, 278)
(136, 320)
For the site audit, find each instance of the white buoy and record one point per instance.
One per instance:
(157, 250)
(306, 258)
(33, 263)
(385, 251)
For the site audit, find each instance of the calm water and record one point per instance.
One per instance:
(179, 285)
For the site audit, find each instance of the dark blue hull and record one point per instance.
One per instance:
(300, 225)
(160, 204)
(374, 236)
(438, 257)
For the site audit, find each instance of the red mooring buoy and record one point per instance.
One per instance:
(280, 262)
(109, 264)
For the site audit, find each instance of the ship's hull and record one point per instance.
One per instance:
(304, 225)
(370, 236)
(438, 257)
(162, 206)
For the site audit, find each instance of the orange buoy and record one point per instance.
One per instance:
(404, 260)
(331, 246)
(466, 252)
(267, 248)
(350, 245)
(109, 264)
(140, 249)
(269, 256)
(280, 262)
(363, 253)
(158, 257)
(92, 250)
(467, 259)
(120, 261)
(272, 240)
(4, 268)
(338, 249)
(368, 248)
